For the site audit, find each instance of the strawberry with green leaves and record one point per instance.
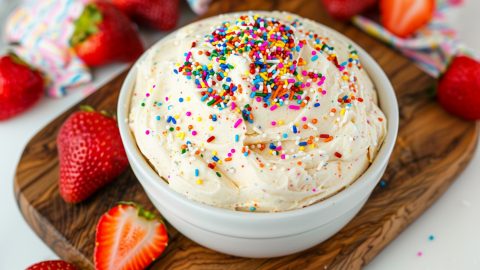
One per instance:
(128, 237)
(103, 35)
(21, 86)
(91, 154)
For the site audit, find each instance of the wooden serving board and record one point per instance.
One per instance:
(432, 148)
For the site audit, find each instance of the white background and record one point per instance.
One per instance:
(453, 221)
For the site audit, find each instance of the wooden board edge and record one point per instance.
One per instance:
(387, 235)
(373, 248)
(46, 232)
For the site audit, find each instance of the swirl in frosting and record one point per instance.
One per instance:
(256, 112)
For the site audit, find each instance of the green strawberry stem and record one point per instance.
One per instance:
(17, 59)
(86, 25)
(86, 108)
(141, 211)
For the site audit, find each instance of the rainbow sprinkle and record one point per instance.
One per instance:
(279, 78)
(275, 75)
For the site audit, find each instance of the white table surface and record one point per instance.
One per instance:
(453, 221)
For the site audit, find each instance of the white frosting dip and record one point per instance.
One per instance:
(267, 112)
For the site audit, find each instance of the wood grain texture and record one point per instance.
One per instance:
(432, 148)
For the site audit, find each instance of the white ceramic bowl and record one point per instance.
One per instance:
(260, 235)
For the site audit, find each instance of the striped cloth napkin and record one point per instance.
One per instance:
(431, 47)
(39, 32)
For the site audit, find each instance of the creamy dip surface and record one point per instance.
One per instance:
(261, 111)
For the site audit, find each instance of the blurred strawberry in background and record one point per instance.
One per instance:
(400, 17)
(104, 35)
(158, 14)
(404, 17)
(345, 9)
(21, 86)
(459, 88)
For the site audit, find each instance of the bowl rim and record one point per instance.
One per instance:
(370, 65)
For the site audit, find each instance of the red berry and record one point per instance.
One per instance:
(103, 35)
(52, 265)
(459, 88)
(20, 86)
(159, 14)
(404, 17)
(91, 154)
(345, 9)
(128, 237)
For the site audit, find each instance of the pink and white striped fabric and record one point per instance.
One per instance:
(431, 47)
(39, 32)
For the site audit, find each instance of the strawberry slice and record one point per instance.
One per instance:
(128, 237)
(404, 17)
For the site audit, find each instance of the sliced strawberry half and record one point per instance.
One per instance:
(404, 17)
(128, 237)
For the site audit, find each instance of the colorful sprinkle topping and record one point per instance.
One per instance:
(276, 75)
(251, 67)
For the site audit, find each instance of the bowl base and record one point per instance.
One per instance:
(257, 247)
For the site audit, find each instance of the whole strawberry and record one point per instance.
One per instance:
(91, 154)
(103, 35)
(52, 265)
(20, 86)
(345, 9)
(128, 237)
(459, 88)
(158, 14)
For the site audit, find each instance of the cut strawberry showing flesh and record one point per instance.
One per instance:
(128, 237)
(405, 17)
